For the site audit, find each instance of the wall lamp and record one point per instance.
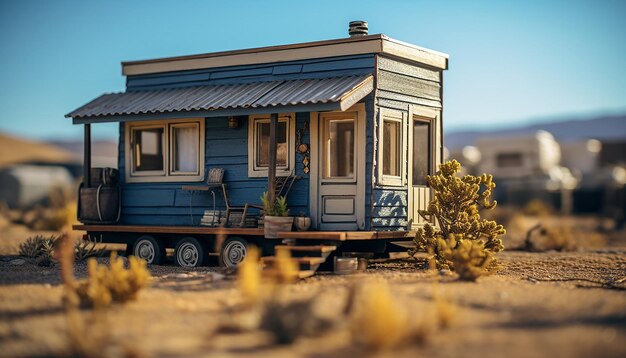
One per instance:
(233, 122)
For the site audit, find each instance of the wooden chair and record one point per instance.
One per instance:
(214, 180)
(283, 186)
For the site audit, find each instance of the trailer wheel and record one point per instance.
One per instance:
(149, 249)
(233, 251)
(190, 252)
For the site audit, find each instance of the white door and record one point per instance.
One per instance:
(337, 176)
(424, 157)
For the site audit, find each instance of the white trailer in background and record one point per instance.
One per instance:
(520, 156)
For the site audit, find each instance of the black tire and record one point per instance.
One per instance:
(150, 249)
(190, 252)
(233, 251)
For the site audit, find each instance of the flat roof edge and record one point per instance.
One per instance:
(374, 44)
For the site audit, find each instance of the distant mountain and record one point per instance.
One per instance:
(608, 128)
(15, 150)
(103, 152)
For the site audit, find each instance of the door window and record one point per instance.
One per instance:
(339, 149)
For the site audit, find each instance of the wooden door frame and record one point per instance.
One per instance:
(431, 116)
(314, 174)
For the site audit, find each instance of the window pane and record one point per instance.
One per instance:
(263, 144)
(391, 148)
(185, 140)
(148, 149)
(421, 152)
(509, 160)
(339, 151)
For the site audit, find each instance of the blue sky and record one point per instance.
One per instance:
(510, 62)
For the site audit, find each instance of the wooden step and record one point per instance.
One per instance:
(301, 260)
(314, 248)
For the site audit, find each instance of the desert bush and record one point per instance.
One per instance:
(115, 283)
(86, 248)
(249, 278)
(455, 207)
(469, 258)
(376, 321)
(37, 246)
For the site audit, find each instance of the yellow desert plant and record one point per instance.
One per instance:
(103, 285)
(376, 321)
(468, 258)
(249, 277)
(286, 268)
(115, 283)
(459, 229)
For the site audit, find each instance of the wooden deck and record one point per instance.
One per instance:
(206, 230)
(198, 230)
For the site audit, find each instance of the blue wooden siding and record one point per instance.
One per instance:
(314, 68)
(399, 85)
(168, 204)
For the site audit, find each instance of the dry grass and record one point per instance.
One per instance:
(377, 321)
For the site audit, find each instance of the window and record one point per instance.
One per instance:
(422, 158)
(185, 148)
(259, 145)
(162, 151)
(148, 149)
(391, 150)
(339, 148)
(509, 160)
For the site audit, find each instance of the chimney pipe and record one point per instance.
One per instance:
(357, 28)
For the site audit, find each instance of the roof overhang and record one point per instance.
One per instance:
(304, 95)
(376, 44)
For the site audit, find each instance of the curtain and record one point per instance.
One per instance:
(186, 149)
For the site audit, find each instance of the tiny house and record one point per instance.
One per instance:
(356, 123)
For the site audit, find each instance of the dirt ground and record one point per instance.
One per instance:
(550, 304)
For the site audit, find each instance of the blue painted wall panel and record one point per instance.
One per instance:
(328, 67)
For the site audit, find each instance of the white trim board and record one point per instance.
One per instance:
(375, 44)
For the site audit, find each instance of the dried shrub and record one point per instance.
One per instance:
(249, 277)
(89, 247)
(468, 258)
(455, 207)
(39, 247)
(31, 247)
(376, 321)
(284, 269)
(115, 283)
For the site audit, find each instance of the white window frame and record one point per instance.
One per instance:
(389, 115)
(254, 171)
(167, 174)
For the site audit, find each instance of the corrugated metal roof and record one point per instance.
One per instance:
(214, 97)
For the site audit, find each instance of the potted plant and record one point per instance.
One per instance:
(302, 222)
(276, 216)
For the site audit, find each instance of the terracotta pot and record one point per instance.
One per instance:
(275, 224)
(303, 223)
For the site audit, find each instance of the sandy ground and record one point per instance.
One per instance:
(514, 313)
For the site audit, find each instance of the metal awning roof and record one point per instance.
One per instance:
(303, 95)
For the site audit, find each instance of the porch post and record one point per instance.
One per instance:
(87, 156)
(271, 170)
